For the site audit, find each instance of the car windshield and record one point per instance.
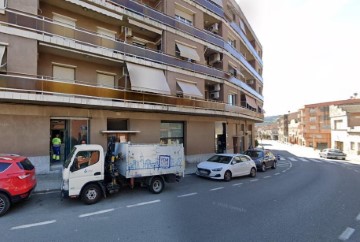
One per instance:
(68, 159)
(254, 153)
(220, 159)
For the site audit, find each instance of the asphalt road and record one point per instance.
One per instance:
(304, 199)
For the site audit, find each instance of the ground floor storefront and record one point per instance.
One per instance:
(29, 130)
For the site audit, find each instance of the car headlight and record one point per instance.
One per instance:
(217, 169)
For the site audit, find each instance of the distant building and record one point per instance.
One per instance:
(345, 127)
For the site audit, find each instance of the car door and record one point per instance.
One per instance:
(236, 166)
(242, 165)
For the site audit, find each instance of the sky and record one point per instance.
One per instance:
(311, 50)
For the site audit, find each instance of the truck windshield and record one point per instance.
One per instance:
(68, 158)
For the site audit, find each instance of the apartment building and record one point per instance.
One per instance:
(150, 71)
(345, 127)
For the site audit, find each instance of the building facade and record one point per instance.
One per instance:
(345, 127)
(149, 71)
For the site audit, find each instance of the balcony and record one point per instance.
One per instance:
(201, 34)
(40, 87)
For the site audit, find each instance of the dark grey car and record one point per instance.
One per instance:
(263, 158)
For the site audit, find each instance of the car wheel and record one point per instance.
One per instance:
(263, 167)
(253, 172)
(91, 194)
(4, 204)
(156, 185)
(274, 165)
(227, 176)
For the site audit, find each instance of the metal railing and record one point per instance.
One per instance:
(27, 84)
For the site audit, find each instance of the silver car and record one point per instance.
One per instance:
(332, 154)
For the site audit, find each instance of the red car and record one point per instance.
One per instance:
(17, 180)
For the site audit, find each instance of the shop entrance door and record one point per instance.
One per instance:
(72, 132)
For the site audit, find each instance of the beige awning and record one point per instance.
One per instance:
(94, 8)
(147, 79)
(144, 26)
(188, 52)
(218, 2)
(251, 102)
(189, 89)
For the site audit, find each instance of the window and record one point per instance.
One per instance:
(232, 42)
(337, 124)
(242, 26)
(106, 79)
(106, 32)
(312, 127)
(4, 166)
(312, 110)
(3, 56)
(312, 119)
(87, 158)
(64, 72)
(232, 99)
(232, 71)
(184, 15)
(352, 145)
(64, 20)
(172, 132)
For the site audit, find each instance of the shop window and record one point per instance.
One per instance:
(172, 132)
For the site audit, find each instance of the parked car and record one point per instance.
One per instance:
(332, 154)
(263, 158)
(226, 166)
(17, 180)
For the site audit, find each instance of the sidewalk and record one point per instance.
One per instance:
(52, 181)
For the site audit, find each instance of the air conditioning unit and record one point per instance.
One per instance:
(128, 32)
(214, 58)
(214, 95)
(217, 87)
(214, 28)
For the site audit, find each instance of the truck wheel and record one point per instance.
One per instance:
(91, 194)
(156, 185)
(4, 204)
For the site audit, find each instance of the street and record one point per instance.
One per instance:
(303, 199)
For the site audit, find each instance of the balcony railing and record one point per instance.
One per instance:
(25, 84)
(48, 27)
(191, 30)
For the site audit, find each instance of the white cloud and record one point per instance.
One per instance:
(311, 50)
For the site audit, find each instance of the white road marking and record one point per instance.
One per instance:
(303, 159)
(187, 195)
(96, 213)
(237, 184)
(141, 204)
(254, 180)
(316, 160)
(266, 177)
(357, 171)
(292, 159)
(358, 217)
(33, 225)
(276, 174)
(217, 188)
(284, 171)
(346, 234)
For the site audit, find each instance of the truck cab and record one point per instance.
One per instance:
(84, 166)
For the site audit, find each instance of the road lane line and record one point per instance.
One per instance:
(187, 195)
(141, 204)
(217, 188)
(254, 180)
(347, 233)
(96, 213)
(303, 159)
(237, 184)
(358, 217)
(266, 177)
(33, 225)
(276, 174)
(292, 158)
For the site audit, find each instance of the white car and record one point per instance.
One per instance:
(226, 166)
(332, 154)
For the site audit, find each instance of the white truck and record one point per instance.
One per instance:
(90, 174)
